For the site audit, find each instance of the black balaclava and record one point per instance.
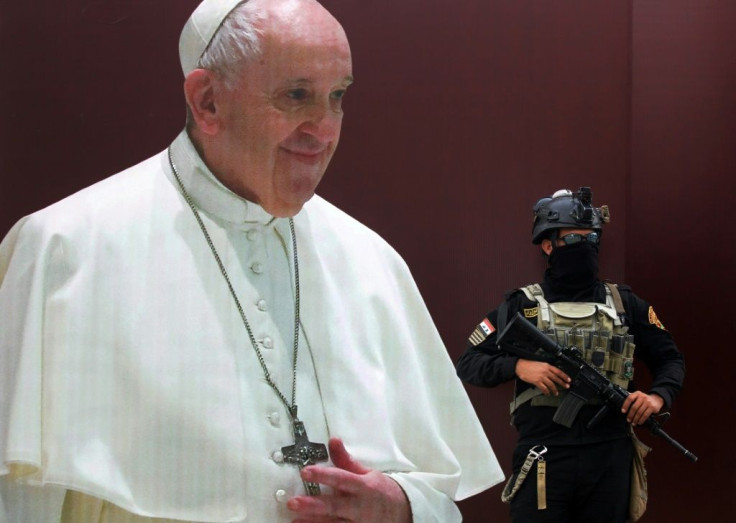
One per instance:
(572, 271)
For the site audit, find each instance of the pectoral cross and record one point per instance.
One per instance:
(303, 452)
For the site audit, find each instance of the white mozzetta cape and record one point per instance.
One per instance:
(127, 374)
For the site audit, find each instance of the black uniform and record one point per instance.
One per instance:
(588, 470)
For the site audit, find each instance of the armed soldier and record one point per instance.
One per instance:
(579, 473)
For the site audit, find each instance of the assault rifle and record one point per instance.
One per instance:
(587, 381)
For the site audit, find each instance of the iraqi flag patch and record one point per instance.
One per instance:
(481, 332)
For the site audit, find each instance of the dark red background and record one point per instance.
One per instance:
(463, 114)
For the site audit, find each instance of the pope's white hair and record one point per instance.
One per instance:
(237, 41)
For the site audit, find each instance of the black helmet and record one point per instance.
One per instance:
(567, 210)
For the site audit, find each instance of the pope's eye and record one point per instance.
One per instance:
(338, 95)
(297, 94)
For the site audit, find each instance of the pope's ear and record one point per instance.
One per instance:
(199, 90)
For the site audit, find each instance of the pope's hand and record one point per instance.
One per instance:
(359, 494)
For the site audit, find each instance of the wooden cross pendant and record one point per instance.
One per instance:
(304, 452)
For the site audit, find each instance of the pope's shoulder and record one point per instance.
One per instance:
(108, 204)
(334, 221)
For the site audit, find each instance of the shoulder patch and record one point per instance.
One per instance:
(481, 332)
(654, 320)
(531, 313)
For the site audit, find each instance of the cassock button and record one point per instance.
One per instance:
(251, 234)
(262, 305)
(278, 456)
(281, 496)
(267, 343)
(257, 267)
(274, 418)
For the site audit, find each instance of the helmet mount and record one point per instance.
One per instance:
(567, 210)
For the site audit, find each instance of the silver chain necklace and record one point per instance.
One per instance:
(303, 452)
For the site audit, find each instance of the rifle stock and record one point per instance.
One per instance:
(587, 381)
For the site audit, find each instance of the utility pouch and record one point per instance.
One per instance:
(571, 314)
(638, 493)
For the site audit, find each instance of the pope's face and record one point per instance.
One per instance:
(280, 123)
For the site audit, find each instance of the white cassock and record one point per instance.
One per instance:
(126, 372)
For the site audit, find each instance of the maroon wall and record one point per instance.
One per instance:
(463, 113)
(680, 240)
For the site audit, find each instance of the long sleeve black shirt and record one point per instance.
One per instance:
(485, 365)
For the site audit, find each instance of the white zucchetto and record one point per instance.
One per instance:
(199, 30)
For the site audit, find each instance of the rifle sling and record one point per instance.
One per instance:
(512, 488)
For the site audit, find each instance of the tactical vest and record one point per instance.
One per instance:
(597, 330)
